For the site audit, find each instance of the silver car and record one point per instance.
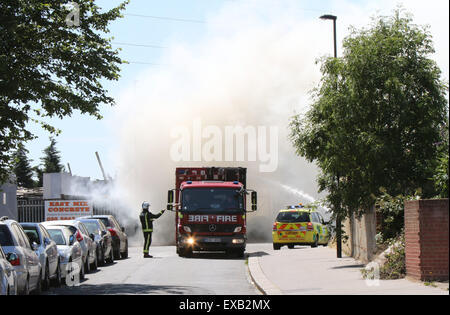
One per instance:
(46, 251)
(69, 250)
(26, 263)
(8, 276)
(88, 245)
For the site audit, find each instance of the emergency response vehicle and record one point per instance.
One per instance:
(210, 204)
(297, 225)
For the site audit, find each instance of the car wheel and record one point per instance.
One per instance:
(102, 258)
(290, 246)
(124, 255)
(46, 281)
(94, 265)
(26, 290)
(316, 241)
(58, 279)
(117, 253)
(111, 256)
(38, 289)
(87, 266)
(276, 246)
(82, 272)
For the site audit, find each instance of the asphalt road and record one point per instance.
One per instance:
(166, 273)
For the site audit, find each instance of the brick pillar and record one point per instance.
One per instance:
(426, 239)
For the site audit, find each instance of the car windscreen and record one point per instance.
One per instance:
(57, 235)
(212, 200)
(293, 216)
(105, 221)
(32, 233)
(5, 236)
(91, 226)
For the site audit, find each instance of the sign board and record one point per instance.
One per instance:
(67, 209)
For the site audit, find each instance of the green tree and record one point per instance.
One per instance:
(376, 116)
(441, 176)
(51, 162)
(52, 158)
(53, 57)
(22, 168)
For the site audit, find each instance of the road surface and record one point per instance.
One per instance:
(166, 273)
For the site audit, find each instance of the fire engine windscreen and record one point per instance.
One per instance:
(212, 200)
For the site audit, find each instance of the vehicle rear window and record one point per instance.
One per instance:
(32, 233)
(5, 236)
(293, 216)
(105, 221)
(58, 236)
(91, 226)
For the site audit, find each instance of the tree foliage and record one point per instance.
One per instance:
(376, 115)
(51, 161)
(51, 65)
(22, 168)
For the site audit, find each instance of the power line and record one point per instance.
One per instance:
(137, 45)
(164, 18)
(143, 63)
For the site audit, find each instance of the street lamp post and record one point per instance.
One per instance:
(338, 216)
(333, 18)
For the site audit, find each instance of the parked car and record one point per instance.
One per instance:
(47, 252)
(100, 234)
(69, 250)
(120, 238)
(8, 276)
(88, 245)
(21, 254)
(299, 226)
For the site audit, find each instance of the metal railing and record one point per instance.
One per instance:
(30, 210)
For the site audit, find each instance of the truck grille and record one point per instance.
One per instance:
(213, 228)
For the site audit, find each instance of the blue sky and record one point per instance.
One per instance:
(83, 135)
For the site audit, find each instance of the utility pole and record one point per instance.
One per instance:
(338, 214)
(101, 166)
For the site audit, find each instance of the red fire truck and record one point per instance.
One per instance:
(211, 207)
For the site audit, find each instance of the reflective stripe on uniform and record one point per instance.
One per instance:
(147, 230)
(146, 222)
(147, 244)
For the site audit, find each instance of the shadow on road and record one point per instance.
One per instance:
(108, 289)
(214, 255)
(257, 254)
(349, 266)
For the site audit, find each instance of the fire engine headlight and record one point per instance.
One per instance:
(238, 229)
(190, 241)
(187, 229)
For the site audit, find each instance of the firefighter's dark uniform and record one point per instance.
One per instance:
(147, 219)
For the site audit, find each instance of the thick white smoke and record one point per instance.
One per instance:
(251, 70)
(254, 67)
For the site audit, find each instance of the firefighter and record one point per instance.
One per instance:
(147, 218)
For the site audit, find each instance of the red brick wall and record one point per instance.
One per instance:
(426, 238)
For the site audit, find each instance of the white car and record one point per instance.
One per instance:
(46, 251)
(88, 245)
(8, 276)
(69, 250)
(21, 254)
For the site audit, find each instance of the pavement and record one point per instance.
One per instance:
(317, 271)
